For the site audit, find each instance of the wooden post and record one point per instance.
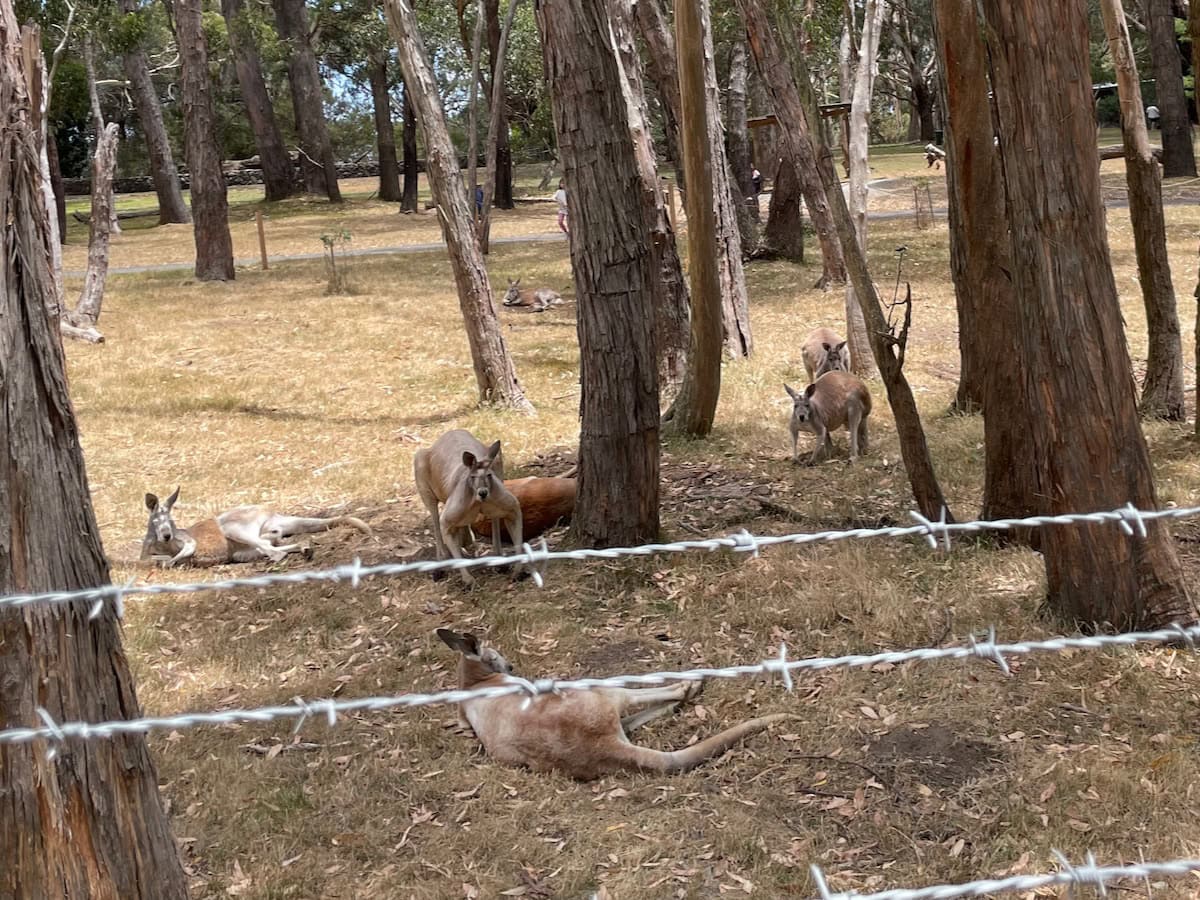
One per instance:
(262, 238)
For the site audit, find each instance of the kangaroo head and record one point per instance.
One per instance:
(834, 358)
(802, 408)
(161, 527)
(513, 294)
(481, 476)
(477, 661)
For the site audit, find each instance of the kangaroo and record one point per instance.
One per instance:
(545, 502)
(824, 351)
(583, 734)
(833, 400)
(538, 300)
(461, 473)
(242, 534)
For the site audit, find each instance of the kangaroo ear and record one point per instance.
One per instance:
(463, 643)
(468, 459)
(511, 283)
(151, 501)
(810, 390)
(791, 393)
(840, 347)
(171, 500)
(493, 451)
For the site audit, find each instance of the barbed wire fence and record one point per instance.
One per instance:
(937, 533)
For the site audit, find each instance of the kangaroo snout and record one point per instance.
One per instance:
(483, 493)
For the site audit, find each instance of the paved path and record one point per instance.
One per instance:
(544, 238)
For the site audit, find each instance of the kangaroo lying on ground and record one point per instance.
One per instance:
(545, 502)
(833, 400)
(242, 534)
(538, 300)
(824, 351)
(461, 473)
(580, 733)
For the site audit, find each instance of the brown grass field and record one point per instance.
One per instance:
(270, 390)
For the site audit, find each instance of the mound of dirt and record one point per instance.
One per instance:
(935, 756)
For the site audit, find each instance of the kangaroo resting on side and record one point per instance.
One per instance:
(459, 472)
(242, 534)
(824, 351)
(545, 502)
(538, 300)
(580, 733)
(833, 400)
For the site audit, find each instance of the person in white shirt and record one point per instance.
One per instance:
(1152, 116)
(560, 197)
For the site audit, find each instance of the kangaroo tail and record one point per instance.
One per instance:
(290, 525)
(688, 758)
(352, 522)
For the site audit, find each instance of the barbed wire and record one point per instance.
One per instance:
(301, 710)
(1087, 875)
(1130, 519)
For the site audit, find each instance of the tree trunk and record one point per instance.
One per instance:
(56, 185)
(614, 279)
(85, 821)
(671, 301)
(279, 176)
(923, 99)
(789, 103)
(503, 191)
(473, 107)
(496, 125)
(1088, 449)
(981, 263)
(89, 61)
(87, 310)
(696, 406)
(660, 66)
(1162, 392)
(1179, 156)
(859, 127)
(385, 132)
(408, 203)
(495, 373)
(210, 208)
(737, 149)
(735, 301)
(1194, 33)
(784, 234)
(172, 210)
(776, 64)
(308, 100)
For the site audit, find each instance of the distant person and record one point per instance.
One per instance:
(560, 197)
(1152, 116)
(757, 179)
(479, 200)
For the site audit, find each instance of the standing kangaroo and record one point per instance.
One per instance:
(833, 400)
(467, 477)
(824, 351)
(583, 734)
(242, 534)
(535, 300)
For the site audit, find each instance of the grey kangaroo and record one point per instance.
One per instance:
(824, 351)
(834, 400)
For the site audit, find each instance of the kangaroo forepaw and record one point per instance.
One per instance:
(694, 690)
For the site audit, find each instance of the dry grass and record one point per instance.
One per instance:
(268, 390)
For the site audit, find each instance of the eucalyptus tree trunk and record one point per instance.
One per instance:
(87, 311)
(210, 206)
(385, 131)
(502, 193)
(473, 106)
(664, 73)
(308, 100)
(408, 202)
(89, 62)
(1178, 156)
(1088, 449)
(38, 89)
(1194, 33)
(495, 373)
(171, 207)
(86, 820)
(981, 262)
(1162, 391)
(279, 176)
(614, 278)
(737, 149)
(497, 135)
(859, 127)
(784, 234)
(672, 302)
